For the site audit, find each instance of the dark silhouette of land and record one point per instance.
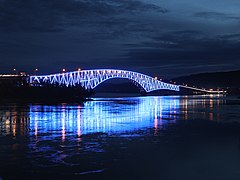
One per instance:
(229, 81)
(209, 80)
(18, 89)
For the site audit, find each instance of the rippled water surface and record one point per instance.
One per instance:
(173, 137)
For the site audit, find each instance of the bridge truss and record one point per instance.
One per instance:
(90, 79)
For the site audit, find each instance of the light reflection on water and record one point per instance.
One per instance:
(106, 115)
(86, 138)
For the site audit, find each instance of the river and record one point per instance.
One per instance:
(153, 137)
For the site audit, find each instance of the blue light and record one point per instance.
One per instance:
(92, 78)
(104, 115)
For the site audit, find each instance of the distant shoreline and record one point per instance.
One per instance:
(44, 94)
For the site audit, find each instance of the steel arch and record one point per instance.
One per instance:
(92, 78)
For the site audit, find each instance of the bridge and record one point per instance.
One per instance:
(89, 79)
(92, 78)
(211, 91)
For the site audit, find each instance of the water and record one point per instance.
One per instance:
(173, 137)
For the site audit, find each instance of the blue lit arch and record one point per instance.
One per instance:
(90, 79)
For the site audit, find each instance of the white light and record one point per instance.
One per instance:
(90, 79)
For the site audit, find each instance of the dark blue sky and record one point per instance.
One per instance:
(166, 38)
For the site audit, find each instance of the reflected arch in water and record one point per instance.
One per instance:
(107, 115)
(104, 115)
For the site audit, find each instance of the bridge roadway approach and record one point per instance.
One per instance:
(90, 79)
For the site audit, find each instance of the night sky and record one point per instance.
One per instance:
(165, 38)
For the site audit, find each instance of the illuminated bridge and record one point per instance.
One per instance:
(90, 79)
